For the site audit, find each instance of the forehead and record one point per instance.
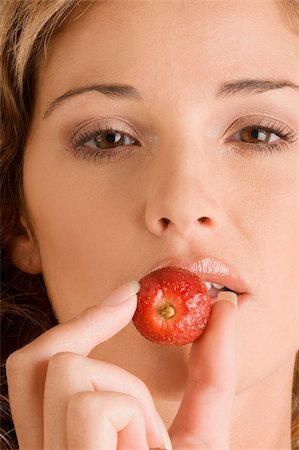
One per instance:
(166, 45)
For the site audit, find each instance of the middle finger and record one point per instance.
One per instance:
(69, 373)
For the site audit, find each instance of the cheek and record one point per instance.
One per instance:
(84, 227)
(269, 226)
(268, 216)
(276, 242)
(270, 325)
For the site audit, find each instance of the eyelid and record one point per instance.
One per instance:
(118, 124)
(263, 122)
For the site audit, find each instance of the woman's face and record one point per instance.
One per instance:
(184, 152)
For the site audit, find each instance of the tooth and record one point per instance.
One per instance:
(208, 285)
(217, 285)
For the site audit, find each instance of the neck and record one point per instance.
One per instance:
(261, 414)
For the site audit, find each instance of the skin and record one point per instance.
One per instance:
(99, 225)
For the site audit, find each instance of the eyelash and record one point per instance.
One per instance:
(81, 137)
(285, 134)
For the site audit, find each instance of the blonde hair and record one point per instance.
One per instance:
(27, 27)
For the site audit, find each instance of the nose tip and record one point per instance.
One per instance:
(182, 199)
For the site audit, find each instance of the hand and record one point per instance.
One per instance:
(65, 400)
(61, 399)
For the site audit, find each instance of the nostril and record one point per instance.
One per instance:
(203, 219)
(164, 222)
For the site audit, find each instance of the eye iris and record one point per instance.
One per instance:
(253, 134)
(110, 138)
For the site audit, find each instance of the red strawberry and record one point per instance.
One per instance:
(173, 306)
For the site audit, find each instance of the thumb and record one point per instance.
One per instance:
(204, 417)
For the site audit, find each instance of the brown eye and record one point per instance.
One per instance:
(108, 139)
(255, 135)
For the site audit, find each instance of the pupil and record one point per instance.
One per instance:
(254, 133)
(110, 138)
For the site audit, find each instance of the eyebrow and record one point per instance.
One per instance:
(126, 91)
(251, 86)
(114, 90)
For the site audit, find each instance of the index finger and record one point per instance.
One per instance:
(27, 367)
(204, 417)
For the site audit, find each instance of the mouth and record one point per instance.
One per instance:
(217, 275)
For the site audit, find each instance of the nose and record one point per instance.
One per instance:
(181, 201)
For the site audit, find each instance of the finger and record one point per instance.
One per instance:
(105, 421)
(26, 368)
(204, 417)
(69, 374)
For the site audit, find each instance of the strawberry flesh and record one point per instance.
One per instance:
(173, 306)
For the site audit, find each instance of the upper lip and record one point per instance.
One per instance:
(209, 269)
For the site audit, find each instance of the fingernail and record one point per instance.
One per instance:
(227, 296)
(167, 445)
(121, 294)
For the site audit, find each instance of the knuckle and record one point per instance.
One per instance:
(203, 384)
(83, 404)
(185, 439)
(15, 362)
(65, 361)
(131, 402)
(80, 402)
